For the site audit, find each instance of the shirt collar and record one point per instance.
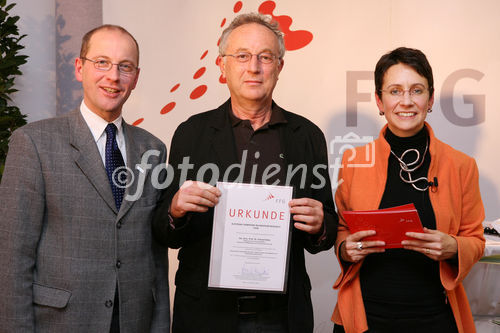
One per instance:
(277, 117)
(96, 124)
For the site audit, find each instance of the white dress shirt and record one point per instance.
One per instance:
(97, 127)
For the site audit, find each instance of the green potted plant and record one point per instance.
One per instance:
(10, 116)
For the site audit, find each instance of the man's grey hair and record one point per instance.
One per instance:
(253, 18)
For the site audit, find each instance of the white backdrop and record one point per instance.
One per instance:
(328, 80)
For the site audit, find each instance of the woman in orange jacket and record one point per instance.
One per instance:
(416, 288)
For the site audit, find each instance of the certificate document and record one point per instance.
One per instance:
(250, 238)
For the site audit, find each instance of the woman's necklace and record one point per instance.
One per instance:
(406, 167)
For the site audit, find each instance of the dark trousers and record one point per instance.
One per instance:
(275, 321)
(115, 319)
(262, 314)
(231, 312)
(440, 323)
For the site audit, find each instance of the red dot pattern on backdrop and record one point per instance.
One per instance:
(199, 73)
(198, 92)
(294, 40)
(138, 121)
(174, 88)
(167, 108)
(237, 6)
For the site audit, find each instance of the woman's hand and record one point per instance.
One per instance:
(353, 249)
(433, 243)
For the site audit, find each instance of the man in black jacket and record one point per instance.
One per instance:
(252, 130)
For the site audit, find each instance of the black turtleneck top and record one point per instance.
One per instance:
(402, 283)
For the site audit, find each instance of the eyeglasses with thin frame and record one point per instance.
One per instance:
(399, 92)
(264, 57)
(125, 67)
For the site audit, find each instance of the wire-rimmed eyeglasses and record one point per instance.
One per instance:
(125, 67)
(399, 92)
(264, 57)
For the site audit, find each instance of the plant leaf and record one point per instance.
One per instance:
(9, 7)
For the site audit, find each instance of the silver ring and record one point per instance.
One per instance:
(427, 251)
(359, 246)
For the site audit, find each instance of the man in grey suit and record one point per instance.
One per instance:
(76, 247)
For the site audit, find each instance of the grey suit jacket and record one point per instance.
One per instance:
(63, 245)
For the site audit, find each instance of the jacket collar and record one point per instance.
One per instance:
(87, 157)
(384, 147)
(221, 117)
(134, 155)
(223, 139)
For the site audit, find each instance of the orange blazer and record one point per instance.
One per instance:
(457, 206)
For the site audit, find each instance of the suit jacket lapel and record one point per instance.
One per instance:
(87, 157)
(134, 155)
(289, 139)
(223, 140)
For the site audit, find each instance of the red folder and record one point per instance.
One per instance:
(391, 224)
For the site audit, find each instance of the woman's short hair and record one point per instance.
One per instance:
(414, 58)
